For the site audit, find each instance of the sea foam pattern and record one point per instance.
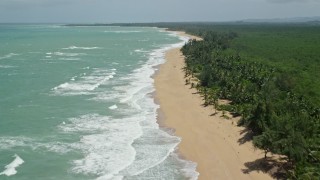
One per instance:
(10, 169)
(9, 142)
(8, 56)
(89, 111)
(83, 48)
(84, 84)
(131, 147)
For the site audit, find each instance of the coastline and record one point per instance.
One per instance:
(214, 143)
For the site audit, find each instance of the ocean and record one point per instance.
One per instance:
(76, 103)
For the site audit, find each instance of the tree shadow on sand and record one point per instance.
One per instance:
(275, 168)
(246, 135)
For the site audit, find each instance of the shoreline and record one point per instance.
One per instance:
(210, 141)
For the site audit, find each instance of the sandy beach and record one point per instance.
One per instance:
(216, 144)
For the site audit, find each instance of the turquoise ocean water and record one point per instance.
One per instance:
(76, 103)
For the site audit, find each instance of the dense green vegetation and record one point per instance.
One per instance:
(268, 91)
(292, 50)
(271, 73)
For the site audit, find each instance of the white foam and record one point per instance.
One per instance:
(107, 149)
(140, 50)
(108, 176)
(141, 78)
(10, 169)
(84, 48)
(56, 147)
(11, 142)
(37, 144)
(88, 67)
(73, 78)
(113, 107)
(172, 168)
(152, 149)
(155, 145)
(85, 84)
(109, 95)
(69, 59)
(68, 54)
(75, 87)
(8, 56)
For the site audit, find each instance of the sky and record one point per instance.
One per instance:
(117, 11)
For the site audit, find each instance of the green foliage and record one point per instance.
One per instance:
(266, 94)
(265, 141)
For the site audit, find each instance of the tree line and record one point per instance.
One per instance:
(283, 121)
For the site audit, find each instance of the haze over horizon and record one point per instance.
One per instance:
(114, 11)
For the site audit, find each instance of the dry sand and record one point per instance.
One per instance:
(213, 142)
